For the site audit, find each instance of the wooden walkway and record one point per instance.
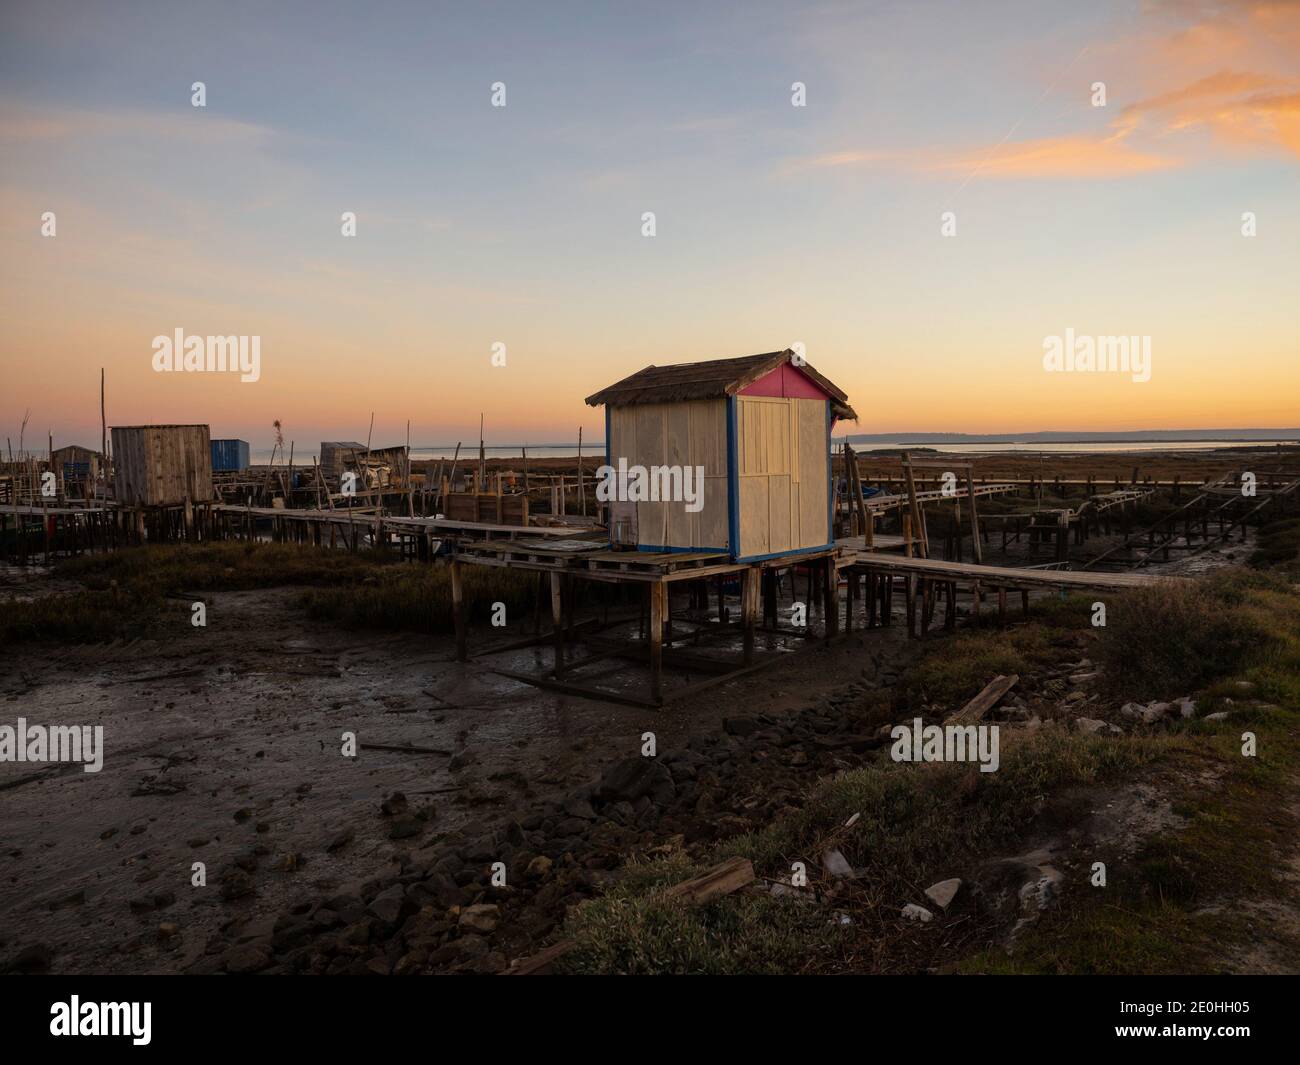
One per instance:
(1009, 576)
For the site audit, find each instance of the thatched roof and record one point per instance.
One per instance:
(709, 380)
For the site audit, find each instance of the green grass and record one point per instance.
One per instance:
(1167, 908)
(1171, 908)
(916, 824)
(126, 592)
(418, 598)
(1170, 639)
(1278, 544)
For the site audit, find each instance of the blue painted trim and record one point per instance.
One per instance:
(608, 463)
(733, 481)
(782, 554)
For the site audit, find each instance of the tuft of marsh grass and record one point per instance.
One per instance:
(1169, 639)
(418, 598)
(126, 592)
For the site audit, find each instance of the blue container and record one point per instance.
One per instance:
(229, 456)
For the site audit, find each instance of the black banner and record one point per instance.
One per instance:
(90, 1015)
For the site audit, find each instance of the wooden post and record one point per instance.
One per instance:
(557, 619)
(976, 550)
(658, 596)
(458, 610)
(831, 597)
(914, 509)
(750, 580)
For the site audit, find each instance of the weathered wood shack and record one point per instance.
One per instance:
(75, 463)
(757, 427)
(338, 455)
(162, 465)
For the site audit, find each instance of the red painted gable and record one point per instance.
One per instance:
(787, 382)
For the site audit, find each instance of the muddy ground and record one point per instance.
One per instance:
(223, 746)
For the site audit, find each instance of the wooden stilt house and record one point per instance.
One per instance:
(758, 428)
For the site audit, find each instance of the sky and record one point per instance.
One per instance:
(948, 195)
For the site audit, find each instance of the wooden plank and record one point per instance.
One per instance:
(730, 876)
(985, 700)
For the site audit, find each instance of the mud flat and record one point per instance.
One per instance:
(224, 747)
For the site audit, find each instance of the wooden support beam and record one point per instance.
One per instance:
(458, 610)
(658, 601)
(749, 583)
(557, 620)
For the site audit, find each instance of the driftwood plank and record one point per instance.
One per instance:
(730, 876)
(986, 700)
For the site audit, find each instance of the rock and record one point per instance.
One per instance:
(1148, 714)
(1084, 678)
(483, 918)
(913, 912)
(168, 929)
(741, 726)
(405, 828)
(387, 905)
(1039, 893)
(243, 814)
(393, 805)
(632, 778)
(837, 865)
(341, 840)
(1089, 725)
(538, 868)
(942, 893)
(580, 808)
(236, 884)
(1222, 715)
(1186, 706)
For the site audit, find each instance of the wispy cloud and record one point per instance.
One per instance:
(1195, 110)
(19, 123)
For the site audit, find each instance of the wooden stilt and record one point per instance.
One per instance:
(458, 610)
(557, 620)
(658, 599)
(749, 609)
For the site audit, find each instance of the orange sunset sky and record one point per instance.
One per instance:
(522, 224)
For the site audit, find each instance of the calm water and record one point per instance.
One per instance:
(303, 457)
